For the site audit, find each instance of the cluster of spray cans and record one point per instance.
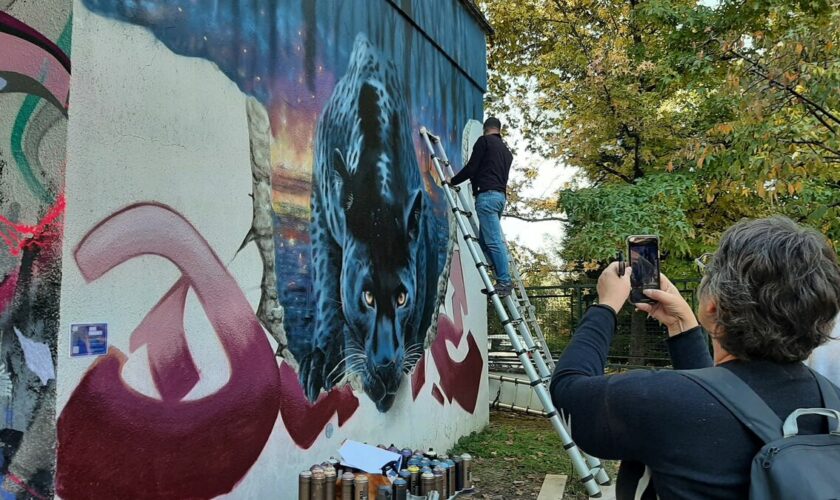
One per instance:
(422, 473)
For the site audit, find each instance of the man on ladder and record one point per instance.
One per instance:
(589, 469)
(488, 170)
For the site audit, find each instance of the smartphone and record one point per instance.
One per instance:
(643, 251)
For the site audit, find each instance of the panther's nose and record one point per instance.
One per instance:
(385, 344)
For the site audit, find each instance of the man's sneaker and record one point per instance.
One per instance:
(503, 289)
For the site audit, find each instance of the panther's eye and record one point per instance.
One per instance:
(401, 298)
(368, 297)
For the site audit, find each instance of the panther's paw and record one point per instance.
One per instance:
(312, 373)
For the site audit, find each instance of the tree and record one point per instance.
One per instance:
(681, 118)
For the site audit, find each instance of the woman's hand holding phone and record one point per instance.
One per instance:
(613, 288)
(669, 308)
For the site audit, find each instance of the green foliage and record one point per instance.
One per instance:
(680, 118)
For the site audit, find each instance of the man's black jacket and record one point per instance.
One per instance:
(488, 167)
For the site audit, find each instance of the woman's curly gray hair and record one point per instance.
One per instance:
(777, 289)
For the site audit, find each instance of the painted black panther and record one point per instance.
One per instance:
(374, 264)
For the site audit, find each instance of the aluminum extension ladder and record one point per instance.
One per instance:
(589, 469)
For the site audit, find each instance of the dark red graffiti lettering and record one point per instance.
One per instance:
(459, 380)
(117, 443)
(418, 377)
(305, 420)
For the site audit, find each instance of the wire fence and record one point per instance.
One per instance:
(639, 341)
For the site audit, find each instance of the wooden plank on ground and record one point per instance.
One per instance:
(553, 487)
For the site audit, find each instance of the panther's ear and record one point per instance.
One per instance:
(343, 175)
(412, 222)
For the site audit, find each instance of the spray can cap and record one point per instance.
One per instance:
(413, 469)
(466, 456)
(347, 476)
(306, 474)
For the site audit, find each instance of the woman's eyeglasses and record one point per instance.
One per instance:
(703, 262)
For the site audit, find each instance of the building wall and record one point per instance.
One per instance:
(34, 84)
(252, 223)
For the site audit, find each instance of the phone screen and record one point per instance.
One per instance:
(644, 258)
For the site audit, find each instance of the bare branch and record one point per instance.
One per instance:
(535, 219)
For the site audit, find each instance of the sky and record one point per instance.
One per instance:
(538, 236)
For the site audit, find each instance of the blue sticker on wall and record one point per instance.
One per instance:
(88, 339)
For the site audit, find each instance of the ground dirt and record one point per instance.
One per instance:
(512, 456)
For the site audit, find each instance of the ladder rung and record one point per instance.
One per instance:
(511, 322)
(465, 213)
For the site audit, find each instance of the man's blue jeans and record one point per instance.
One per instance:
(489, 206)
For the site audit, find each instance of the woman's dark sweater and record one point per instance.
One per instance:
(693, 446)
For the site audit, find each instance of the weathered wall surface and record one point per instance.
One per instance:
(252, 225)
(34, 85)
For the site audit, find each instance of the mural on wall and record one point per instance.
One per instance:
(375, 268)
(346, 85)
(34, 90)
(209, 443)
(338, 90)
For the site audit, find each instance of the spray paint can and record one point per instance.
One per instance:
(405, 476)
(439, 482)
(450, 477)
(329, 485)
(427, 483)
(445, 471)
(406, 454)
(414, 485)
(466, 465)
(318, 480)
(459, 473)
(383, 493)
(400, 489)
(360, 487)
(431, 454)
(304, 485)
(347, 486)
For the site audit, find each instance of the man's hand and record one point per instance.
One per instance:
(670, 308)
(613, 289)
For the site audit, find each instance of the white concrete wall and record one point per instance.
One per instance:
(148, 125)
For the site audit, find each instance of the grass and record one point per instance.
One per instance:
(514, 453)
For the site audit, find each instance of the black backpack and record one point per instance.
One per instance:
(789, 465)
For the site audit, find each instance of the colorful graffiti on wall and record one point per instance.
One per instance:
(34, 91)
(323, 93)
(187, 432)
(337, 95)
(375, 268)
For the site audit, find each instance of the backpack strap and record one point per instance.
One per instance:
(737, 397)
(828, 391)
